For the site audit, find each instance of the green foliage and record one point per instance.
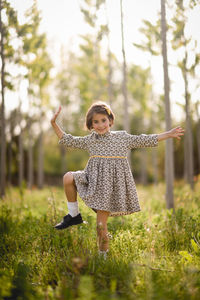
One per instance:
(152, 35)
(9, 31)
(153, 254)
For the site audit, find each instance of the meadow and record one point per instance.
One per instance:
(154, 254)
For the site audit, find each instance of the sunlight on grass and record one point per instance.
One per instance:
(154, 254)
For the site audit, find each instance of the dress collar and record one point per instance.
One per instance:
(101, 136)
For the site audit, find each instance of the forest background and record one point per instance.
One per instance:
(38, 74)
(115, 51)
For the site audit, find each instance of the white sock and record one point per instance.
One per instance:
(73, 208)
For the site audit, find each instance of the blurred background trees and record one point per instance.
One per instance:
(30, 154)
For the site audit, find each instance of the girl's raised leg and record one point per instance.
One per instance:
(70, 187)
(74, 217)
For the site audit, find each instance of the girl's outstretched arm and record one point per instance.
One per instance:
(55, 126)
(176, 132)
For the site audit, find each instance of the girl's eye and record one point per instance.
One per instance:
(104, 120)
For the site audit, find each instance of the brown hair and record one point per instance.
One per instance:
(98, 107)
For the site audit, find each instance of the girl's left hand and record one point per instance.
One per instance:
(53, 119)
(176, 132)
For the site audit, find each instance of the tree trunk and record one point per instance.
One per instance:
(169, 167)
(9, 167)
(109, 78)
(40, 175)
(188, 143)
(198, 137)
(154, 150)
(124, 82)
(3, 138)
(63, 159)
(97, 89)
(10, 153)
(21, 149)
(20, 159)
(30, 157)
(30, 165)
(143, 160)
(155, 165)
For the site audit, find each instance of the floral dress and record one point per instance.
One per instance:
(107, 183)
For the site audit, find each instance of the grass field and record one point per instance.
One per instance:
(154, 254)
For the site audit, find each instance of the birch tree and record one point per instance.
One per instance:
(169, 168)
(124, 71)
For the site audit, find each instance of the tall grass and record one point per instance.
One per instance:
(154, 254)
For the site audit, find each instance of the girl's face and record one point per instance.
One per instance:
(101, 123)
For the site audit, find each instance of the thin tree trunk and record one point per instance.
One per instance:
(21, 150)
(97, 90)
(40, 175)
(154, 150)
(188, 145)
(198, 136)
(9, 168)
(124, 82)
(3, 138)
(154, 158)
(110, 86)
(143, 160)
(63, 159)
(169, 168)
(155, 165)
(185, 159)
(30, 165)
(30, 157)
(20, 159)
(10, 153)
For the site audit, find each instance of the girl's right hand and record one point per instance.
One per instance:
(53, 120)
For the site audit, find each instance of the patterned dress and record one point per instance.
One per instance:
(107, 183)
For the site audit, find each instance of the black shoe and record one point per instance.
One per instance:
(68, 220)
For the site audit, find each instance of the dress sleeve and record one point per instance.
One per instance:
(141, 141)
(71, 141)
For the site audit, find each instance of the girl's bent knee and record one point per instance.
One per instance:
(68, 178)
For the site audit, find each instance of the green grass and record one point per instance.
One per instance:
(154, 254)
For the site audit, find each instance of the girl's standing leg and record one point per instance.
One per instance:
(102, 231)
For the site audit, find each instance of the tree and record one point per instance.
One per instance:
(3, 139)
(66, 81)
(6, 54)
(152, 45)
(169, 168)
(124, 82)
(37, 61)
(198, 133)
(109, 56)
(126, 122)
(139, 89)
(184, 45)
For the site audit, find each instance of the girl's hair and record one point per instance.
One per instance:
(98, 107)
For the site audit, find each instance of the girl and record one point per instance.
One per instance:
(106, 184)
